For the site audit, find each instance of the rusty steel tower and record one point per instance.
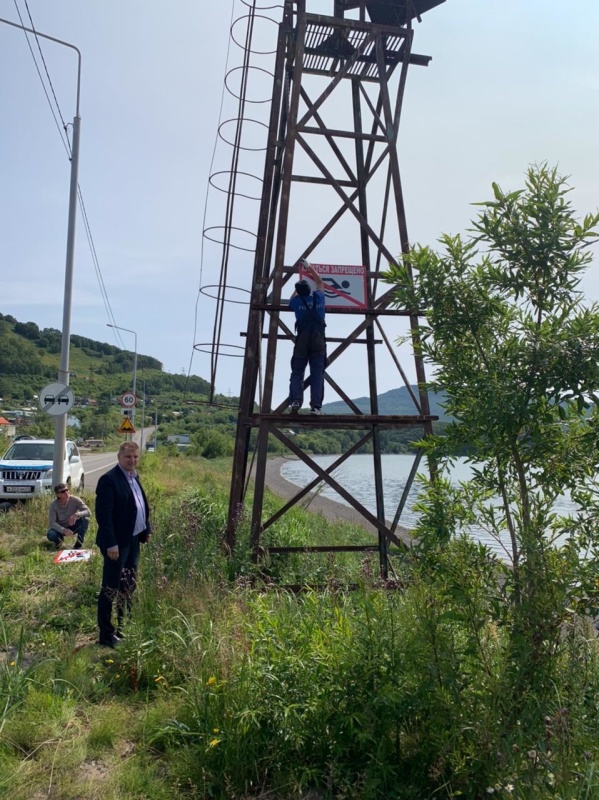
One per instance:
(332, 155)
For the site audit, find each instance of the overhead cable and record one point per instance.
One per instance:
(63, 133)
(216, 137)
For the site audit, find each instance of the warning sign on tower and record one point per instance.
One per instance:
(344, 284)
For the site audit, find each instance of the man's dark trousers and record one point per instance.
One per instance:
(79, 529)
(299, 363)
(118, 583)
(310, 348)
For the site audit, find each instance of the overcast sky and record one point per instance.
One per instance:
(511, 83)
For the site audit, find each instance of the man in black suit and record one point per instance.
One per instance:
(123, 517)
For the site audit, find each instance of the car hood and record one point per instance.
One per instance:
(42, 466)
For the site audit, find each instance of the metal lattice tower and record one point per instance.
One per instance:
(358, 68)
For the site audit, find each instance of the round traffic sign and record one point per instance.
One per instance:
(128, 400)
(56, 399)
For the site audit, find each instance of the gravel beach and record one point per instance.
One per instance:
(329, 509)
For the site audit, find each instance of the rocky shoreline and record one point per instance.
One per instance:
(329, 509)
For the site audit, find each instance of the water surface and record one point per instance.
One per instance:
(356, 475)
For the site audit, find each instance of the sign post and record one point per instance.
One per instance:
(128, 401)
(126, 426)
(56, 399)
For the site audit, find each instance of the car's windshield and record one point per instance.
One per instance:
(30, 451)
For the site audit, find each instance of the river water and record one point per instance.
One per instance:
(356, 475)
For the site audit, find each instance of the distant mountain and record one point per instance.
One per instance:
(393, 402)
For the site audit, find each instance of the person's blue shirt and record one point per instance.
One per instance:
(315, 300)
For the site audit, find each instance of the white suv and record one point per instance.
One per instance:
(26, 469)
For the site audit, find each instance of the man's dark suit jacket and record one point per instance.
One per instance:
(116, 511)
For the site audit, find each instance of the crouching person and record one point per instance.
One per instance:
(67, 516)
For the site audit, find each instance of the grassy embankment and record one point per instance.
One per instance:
(224, 691)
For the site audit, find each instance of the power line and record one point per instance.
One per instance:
(67, 145)
(92, 247)
(63, 137)
(220, 112)
(39, 47)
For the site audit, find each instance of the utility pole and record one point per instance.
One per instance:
(60, 425)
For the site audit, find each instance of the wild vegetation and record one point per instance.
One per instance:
(516, 350)
(465, 676)
(228, 687)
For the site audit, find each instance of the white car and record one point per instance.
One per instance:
(26, 469)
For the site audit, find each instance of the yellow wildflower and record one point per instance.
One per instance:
(211, 681)
(12, 663)
(213, 742)
(215, 730)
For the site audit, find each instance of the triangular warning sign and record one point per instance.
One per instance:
(126, 427)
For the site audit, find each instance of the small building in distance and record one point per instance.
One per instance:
(7, 429)
(181, 440)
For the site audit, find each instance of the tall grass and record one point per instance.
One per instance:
(225, 691)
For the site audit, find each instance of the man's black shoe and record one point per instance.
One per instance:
(112, 641)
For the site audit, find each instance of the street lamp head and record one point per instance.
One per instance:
(120, 328)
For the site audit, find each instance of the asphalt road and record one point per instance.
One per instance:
(96, 464)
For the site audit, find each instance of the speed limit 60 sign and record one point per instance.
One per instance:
(128, 400)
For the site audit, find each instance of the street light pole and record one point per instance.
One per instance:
(60, 427)
(143, 417)
(118, 328)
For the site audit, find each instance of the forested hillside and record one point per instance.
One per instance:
(394, 402)
(29, 358)
(100, 372)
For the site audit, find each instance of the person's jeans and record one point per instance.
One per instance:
(118, 583)
(79, 529)
(299, 363)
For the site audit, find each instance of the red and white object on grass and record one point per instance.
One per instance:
(72, 556)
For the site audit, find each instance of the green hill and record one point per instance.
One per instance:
(30, 357)
(100, 372)
(393, 402)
